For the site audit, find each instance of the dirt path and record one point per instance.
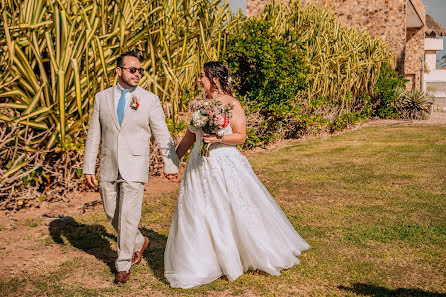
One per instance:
(437, 118)
(23, 234)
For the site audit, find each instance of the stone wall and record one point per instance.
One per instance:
(385, 19)
(414, 51)
(415, 48)
(254, 7)
(381, 18)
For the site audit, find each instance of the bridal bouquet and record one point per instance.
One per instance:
(212, 117)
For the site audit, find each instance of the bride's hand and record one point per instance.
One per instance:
(212, 138)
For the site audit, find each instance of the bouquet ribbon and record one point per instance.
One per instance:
(204, 149)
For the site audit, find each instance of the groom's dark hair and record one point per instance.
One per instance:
(129, 53)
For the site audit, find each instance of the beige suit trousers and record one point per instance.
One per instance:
(122, 202)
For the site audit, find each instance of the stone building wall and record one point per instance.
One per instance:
(381, 18)
(414, 51)
(415, 48)
(254, 7)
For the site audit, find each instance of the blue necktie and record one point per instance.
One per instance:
(121, 106)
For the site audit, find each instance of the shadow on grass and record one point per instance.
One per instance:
(154, 255)
(94, 240)
(372, 290)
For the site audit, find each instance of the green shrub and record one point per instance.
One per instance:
(298, 71)
(346, 120)
(268, 75)
(385, 92)
(266, 68)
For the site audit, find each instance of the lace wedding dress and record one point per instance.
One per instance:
(226, 222)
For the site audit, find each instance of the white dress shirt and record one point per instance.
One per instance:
(128, 96)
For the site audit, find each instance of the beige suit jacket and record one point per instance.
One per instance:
(127, 147)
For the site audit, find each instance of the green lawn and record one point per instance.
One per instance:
(371, 203)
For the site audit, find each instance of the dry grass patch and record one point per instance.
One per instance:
(371, 203)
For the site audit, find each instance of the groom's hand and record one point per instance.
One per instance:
(91, 180)
(171, 176)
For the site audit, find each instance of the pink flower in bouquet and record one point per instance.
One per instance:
(219, 120)
(210, 117)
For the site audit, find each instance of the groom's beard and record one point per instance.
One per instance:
(131, 81)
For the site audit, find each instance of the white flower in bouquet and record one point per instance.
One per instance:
(199, 120)
(221, 132)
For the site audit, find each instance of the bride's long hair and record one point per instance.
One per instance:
(221, 72)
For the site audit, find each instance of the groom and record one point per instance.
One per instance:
(123, 118)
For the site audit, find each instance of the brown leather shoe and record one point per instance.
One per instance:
(137, 256)
(122, 277)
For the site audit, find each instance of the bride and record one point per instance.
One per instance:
(225, 222)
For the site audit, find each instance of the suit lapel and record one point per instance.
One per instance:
(112, 107)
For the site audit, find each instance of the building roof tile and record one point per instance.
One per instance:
(433, 27)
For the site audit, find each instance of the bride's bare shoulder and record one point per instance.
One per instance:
(228, 99)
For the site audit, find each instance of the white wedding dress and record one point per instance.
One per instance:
(226, 222)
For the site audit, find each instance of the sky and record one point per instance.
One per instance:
(236, 4)
(435, 8)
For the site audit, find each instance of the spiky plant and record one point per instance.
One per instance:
(413, 104)
(58, 53)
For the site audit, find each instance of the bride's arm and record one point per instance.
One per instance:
(238, 125)
(185, 144)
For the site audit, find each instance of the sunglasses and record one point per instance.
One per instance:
(133, 70)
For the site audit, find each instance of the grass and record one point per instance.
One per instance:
(371, 203)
